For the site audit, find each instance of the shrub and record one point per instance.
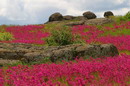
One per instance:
(127, 16)
(119, 18)
(59, 36)
(5, 36)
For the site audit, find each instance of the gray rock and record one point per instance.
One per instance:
(31, 57)
(4, 62)
(31, 53)
(86, 51)
(68, 17)
(56, 17)
(99, 21)
(89, 15)
(108, 50)
(81, 18)
(108, 14)
(75, 23)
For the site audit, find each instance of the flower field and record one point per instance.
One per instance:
(95, 72)
(27, 34)
(110, 71)
(119, 35)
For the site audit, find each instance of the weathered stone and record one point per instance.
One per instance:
(31, 57)
(108, 14)
(68, 17)
(89, 15)
(108, 50)
(81, 18)
(75, 23)
(86, 51)
(62, 54)
(6, 53)
(93, 51)
(4, 62)
(98, 21)
(55, 17)
(31, 53)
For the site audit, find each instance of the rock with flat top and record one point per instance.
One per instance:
(30, 53)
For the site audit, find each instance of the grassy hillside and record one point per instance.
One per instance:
(111, 71)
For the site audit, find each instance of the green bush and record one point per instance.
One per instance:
(127, 16)
(59, 36)
(5, 36)
(62, 35)
(120, 18)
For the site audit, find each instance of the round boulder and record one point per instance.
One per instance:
(108, 14)
(89, 15)
(56, 17)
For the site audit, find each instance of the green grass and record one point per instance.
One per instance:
(120, 18)
(117, 32)
(125, 51)
(5, 36)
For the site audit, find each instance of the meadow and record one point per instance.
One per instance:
(109, 71)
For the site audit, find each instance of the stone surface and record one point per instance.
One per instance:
(4, 62)
(75, 23)
(107, 14)
(89, 15)
(56, 17)
(80, 18)
(98, 21)
(68, 17)
(30, 53)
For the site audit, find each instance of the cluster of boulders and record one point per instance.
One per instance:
(87, 18)
(30, 53)
(86, 15)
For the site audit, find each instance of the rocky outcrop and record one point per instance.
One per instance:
(4, 62)
(75, 23)
(81, 18)
(88, 18)
(68, 17)
(56, 17)
(108, 14)
(30, 53)
(99, 21)
(89, 15)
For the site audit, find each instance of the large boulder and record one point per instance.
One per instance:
(56, 17)
(107, 14)
(89, 15)
(76, 51)
(31, 53)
